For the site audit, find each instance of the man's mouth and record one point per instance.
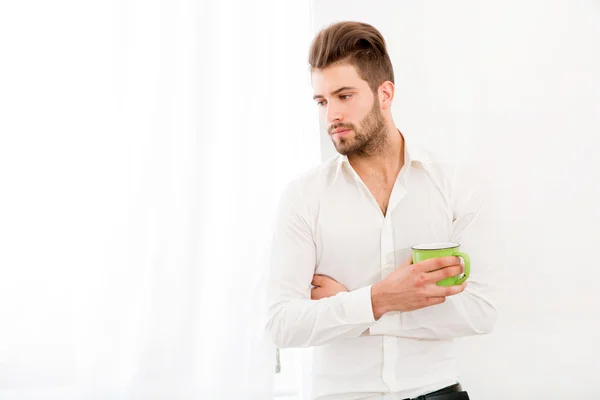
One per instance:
(340, 132)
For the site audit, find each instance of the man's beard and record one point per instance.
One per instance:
(370, 139)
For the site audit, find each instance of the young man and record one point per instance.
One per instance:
(342, 277)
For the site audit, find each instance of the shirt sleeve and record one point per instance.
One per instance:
(471, 312)
(294, 320)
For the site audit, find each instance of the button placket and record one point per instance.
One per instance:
(390, 349)
(388, 263)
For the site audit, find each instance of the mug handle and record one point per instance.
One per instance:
(467, 272)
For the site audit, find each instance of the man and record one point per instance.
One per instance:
(342, 277)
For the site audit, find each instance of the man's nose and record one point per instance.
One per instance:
(334, 114)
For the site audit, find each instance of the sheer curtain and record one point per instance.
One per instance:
(143, 148)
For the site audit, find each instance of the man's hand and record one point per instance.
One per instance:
(413, 286)
(325, 286)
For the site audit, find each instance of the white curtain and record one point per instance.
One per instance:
(143, 147)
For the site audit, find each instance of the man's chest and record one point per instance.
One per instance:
(380, 191)
(357, 245)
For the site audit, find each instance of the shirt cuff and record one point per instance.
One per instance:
(358, 307)
(389, 322)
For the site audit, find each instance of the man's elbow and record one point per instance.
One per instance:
(282, 334)
(277, 333)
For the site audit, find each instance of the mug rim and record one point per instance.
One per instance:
(442, 246)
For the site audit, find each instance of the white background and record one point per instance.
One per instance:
(514, 86)
(143, 147)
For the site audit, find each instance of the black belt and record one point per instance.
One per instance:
(453, 392)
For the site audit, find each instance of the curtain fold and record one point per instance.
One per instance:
(135, 261)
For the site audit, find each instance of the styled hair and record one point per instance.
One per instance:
(355, 43)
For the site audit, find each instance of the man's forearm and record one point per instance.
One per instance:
(304, 323)
(465, 314)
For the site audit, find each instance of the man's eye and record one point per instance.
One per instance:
(345, 96)
(321, 103)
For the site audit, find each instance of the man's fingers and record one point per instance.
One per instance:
(437, 263)
(320, 279)
(444, 273)
(443, 291)
(317, 280)
(431, 301)
(318, 293)
(314, 293)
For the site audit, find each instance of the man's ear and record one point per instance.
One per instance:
(386, 94)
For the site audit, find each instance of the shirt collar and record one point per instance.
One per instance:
(413, 155)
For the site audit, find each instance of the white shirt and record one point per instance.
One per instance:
(328, 222)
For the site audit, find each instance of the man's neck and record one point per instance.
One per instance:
(386, 165)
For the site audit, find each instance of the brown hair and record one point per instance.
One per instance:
(355, 43)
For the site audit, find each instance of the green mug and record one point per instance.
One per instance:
(435, 250)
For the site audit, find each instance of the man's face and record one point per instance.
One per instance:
(349, 109)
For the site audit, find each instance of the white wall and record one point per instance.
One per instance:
(516, 83)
